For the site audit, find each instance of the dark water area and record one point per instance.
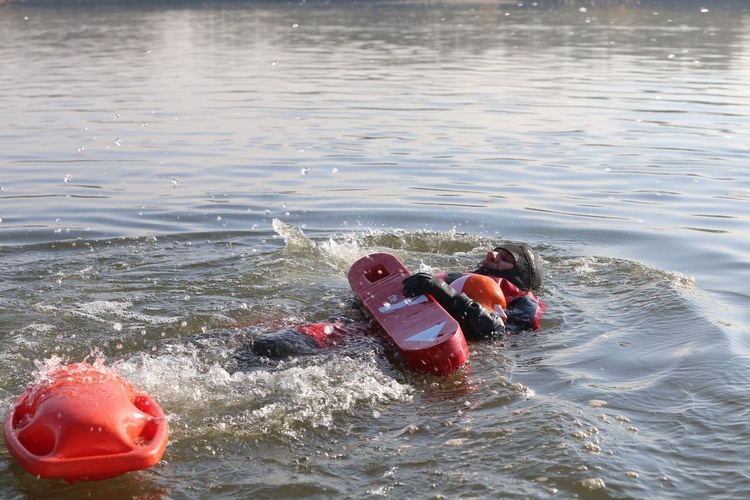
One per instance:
(177, 179)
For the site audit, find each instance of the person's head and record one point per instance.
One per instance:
(483, 290)
(516, 263)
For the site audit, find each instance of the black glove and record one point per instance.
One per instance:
(418, 284)
(477, 322)
(522, 311)
(422, 283)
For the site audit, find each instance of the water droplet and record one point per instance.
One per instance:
(592, 447)
(596, 483)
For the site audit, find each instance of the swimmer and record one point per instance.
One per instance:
(509, 271)
(487, 301)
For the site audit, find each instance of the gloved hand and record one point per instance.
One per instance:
(418, 284)
(422, 283)
(522, 311)
(482, 324)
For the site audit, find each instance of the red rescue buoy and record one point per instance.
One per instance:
(84, 422)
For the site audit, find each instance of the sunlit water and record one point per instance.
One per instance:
(179, 179)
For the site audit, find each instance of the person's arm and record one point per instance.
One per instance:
(284, 344)
(477, 322)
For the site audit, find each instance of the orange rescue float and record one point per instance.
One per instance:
(84, 422)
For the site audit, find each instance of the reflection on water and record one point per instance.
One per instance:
(177, 177)
(176, 120)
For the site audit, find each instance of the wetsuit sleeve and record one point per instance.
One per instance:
(522, 311)
(453, 276)
(283, 344)
(477, 322)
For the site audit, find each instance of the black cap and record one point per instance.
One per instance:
(528, 271)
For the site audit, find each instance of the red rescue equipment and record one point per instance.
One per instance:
(428, 339)
(84, 422)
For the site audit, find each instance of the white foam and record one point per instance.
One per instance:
(305, 393)
(104, 310)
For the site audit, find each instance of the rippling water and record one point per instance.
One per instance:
(179, 178)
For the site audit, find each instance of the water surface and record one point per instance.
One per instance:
(179, 178)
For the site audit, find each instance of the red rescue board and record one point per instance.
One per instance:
(428, 339)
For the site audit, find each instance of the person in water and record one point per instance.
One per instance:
(487, 302)
(492, 298)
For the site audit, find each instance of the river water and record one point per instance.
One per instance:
(179, 178)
